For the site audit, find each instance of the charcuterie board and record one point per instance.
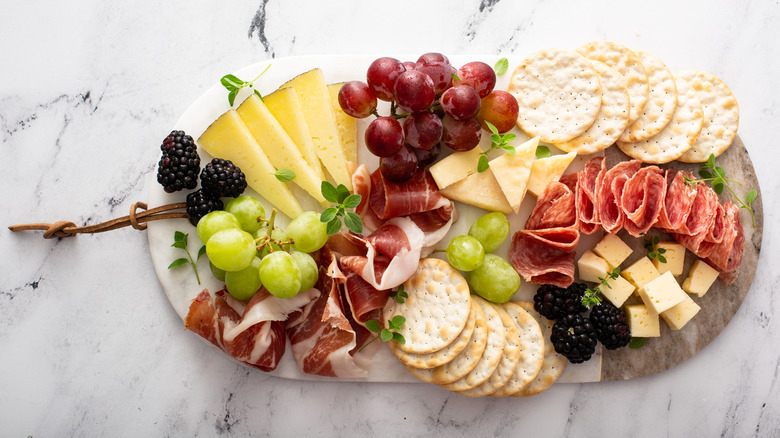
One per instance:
(659, 354)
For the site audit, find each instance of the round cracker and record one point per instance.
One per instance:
(721, 116)
(440, 357)
(558, 92)
(436, 310)
(677, 137)
(532, 350)
(661, 101)
(463, 363)
(553, 363)
(509, 359)
(627, 63)
(424, 374)
(612, 119)
(490, 358)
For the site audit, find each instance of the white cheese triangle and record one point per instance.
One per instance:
(512, 171)
(546, 170)
(480, 190)
(455, 167)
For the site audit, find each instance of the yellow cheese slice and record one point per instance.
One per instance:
(317, 111)
(480, 190)
(228, 138)
(347, 125)
(278, 146)
(455, 167)
(546, 170)
(512, 171)
(284, 105)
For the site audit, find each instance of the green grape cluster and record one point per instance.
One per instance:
(247, 252)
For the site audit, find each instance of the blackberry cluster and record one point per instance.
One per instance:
(200, 203)
(179, 166)
(574, 337)
(222, 179)
(610, 325)
(555, 302)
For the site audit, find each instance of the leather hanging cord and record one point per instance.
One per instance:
(135, 219)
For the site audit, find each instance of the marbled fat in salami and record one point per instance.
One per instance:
(545, 256)
(677, 203)
(587, 180)
(554, 208)
(642, 200)
(609, 192)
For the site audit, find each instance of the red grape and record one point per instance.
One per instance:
(422, 130)
(499, 108)
(426, 157)
(381, 77)
(357, 100)
(478, 76)
(384, 136)
(460, 102)
(400, 166)
(414, 91)
(409, 65)
(438, 67)
(461, 135)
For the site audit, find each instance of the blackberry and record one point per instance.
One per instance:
(199, 203)
(179, 165)
(554, 302)
(610, 325)
(574, 337)
(222, 178)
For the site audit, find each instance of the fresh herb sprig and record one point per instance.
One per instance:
(497, 141)
(653, 251)
(502, 65)
(592, 297)
(716, 176)
(399, 295)
(386, 334)
(284, 175)
(344, 201)
(180, 241)
(234, 85)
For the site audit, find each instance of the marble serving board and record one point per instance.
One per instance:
(658, 354)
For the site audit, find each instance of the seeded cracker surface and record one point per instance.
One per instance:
(531, 350)
(661, 101)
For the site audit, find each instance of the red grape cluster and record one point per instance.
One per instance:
(439, 106)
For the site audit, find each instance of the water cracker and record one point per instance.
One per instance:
(661, 101)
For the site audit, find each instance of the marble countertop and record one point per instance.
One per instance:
(89, 345)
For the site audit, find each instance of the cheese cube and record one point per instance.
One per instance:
(455, 167)
(641, 272)
(613, 250)
(592, 267)
(700, 278)
(679, 315)
(617, 290)
(662, 294)
(675, 258)
(641, 322)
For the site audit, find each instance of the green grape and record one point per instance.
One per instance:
(491, 230)
(496, 280)
(280, 274)
(244, 283)
(307, 232)
(215, 221)
(246, 209)
(308, 268)
(231, 250)
(465, 253)
(219, 274)
(278, 235)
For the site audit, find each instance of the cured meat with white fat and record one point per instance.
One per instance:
(365, 301)
(677, 203)
(388, 199)
(609, 193)
(642, 200)
(545, 256)
(587, 181)
(555, 208)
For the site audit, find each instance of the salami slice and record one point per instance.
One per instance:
(703, 211)
(587, 213)
(677, 203)
(642, 200)
(545, 256)
(609, 192)
(555, 208)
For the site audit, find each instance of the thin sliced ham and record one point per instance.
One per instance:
(609, 193)
(642, 200)
(361, 185)
(545, 256)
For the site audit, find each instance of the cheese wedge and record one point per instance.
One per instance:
(318, 112)
(480, 190)
(286, 108)
(546, 170)
(347, 125)
(512, 171)
(228, 138)
(455, 167)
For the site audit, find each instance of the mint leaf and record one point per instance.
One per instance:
(502, 65)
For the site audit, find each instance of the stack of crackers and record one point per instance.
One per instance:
(585, 100)
(469, 345)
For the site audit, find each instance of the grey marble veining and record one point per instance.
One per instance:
(89, 346)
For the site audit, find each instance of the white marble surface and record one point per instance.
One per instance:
(89, 346)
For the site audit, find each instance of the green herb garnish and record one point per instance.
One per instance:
(284, 175)
(180, 241)
(542, 152)
(344, 200)
(497, 141)
(386, 334)
(455, 77)
(234, 85)
(716, 176)
(399, 295)
(653, 251)
(592, 297)
(502, 65)
(637, 343)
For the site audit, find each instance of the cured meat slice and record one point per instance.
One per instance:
(609, 192)
(361, 185)
(389, 199)
(703, 211)
(642, 200)
(678, 201)
(704, 243)
(727, 255)
(365, 301)
(587, 212)
(545, 256)
(555, 208)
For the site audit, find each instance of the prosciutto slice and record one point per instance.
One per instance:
(365, 301)
(609, 193)
(361, 185)
(545, 256)
(587, 180)
(388, 199)
(642, 200)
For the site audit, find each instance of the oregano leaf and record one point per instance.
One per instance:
(232, 96)
(201, 252)
(502, 65)
(397, 337)
(492, 128)
(328, 214)
(180, 244)
(373, 325)
(386, 335)
(398, 321)
(352, 201)
(482, 164)
(329, 192)
(284, 175)
(333, 227)
(343, 192)
(353, 222)
(542, 152)
(637, 342)
(750, 197)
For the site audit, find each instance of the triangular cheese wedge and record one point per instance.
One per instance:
(228, 138)
(512, 171)
(347, 124)
(479, 189)
(455, 167)
(546, 170)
